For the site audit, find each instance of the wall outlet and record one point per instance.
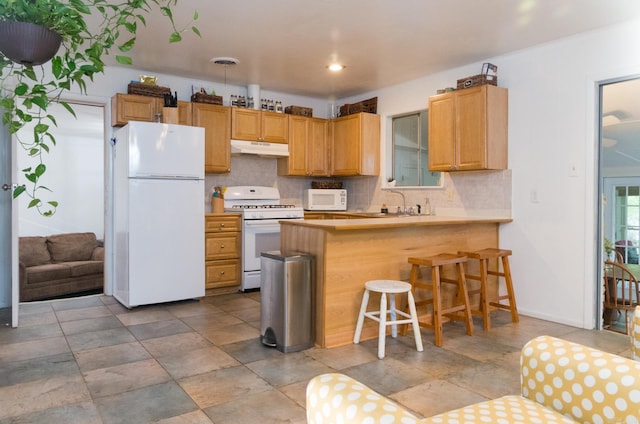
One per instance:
(573, 170)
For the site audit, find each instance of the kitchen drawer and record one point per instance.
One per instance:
(222, 245)
(224, 223)
(222, 273)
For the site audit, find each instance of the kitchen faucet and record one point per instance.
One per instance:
(404, 202)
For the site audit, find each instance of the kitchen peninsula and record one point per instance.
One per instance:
(349, 252)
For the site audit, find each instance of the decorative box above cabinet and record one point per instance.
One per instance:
(468, 129)
(355, 146)
(257, 125)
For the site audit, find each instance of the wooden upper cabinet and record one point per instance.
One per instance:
(308, 147)
(216, 121)
(468, 129)
(257, 125)
(131, 107)
(355, 146)
(318, 147)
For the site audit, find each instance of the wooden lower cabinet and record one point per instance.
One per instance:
(222, 253)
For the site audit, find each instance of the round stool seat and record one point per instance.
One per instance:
(387, 286)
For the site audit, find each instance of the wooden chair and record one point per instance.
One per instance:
(621, 291)
(619, 257)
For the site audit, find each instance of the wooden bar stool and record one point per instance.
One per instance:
(392, 288)
(437, 264)
(484, 256)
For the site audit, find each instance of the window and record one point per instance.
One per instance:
(410, 162)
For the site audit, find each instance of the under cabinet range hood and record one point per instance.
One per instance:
(259, 148)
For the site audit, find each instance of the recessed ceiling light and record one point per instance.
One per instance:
(226, 61)
(336, 67)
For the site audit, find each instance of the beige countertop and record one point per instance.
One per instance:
(391, 222)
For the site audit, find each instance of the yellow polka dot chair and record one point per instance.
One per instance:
(561, 382)
(634, 333)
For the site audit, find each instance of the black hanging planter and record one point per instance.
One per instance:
(27, 43)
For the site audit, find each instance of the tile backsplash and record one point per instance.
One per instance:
(463, 193)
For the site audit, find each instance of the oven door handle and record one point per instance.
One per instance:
(262, 223)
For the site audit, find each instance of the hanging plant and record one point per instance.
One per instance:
(29, 85)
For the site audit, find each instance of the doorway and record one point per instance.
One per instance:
(619, 173)
(75, 174)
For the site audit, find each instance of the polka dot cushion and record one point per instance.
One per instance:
(505, 410)
(584, 384)
(338, 399)
(634, 333)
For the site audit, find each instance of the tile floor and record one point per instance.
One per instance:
(89, 360)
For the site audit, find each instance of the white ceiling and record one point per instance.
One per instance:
(285, 45)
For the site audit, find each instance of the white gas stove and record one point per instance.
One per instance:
(261, 211)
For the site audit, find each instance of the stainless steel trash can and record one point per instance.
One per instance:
(287, 304)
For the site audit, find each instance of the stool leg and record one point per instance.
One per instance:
(413, 277)
(382, 329)
(363, 309)
(392, 313)
(484, 298)
(437, 305)
(512, 296)
(462, 287)
(414, 322)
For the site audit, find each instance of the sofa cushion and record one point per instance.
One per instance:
(72, 246)
(33, 251)
(81, 268)
(48, 272)
(506, 409)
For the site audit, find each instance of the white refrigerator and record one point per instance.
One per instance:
(158, 213)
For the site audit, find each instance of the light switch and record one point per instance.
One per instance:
(534, 196)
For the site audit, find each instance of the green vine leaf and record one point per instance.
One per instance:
(78, 60)
(18, 191)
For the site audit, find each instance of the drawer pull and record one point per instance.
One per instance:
(222, 246)
(222, 225)
(221, 272)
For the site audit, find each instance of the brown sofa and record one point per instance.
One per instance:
(60, 264)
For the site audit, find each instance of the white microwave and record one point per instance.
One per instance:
(317, 199)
